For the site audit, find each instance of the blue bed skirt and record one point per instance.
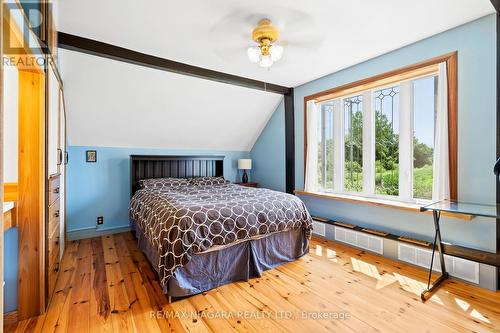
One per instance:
(239, 262)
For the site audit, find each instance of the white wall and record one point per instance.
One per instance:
(115, 104)
(321, 36)
(10, 108)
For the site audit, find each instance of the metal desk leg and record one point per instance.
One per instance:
(431, 288)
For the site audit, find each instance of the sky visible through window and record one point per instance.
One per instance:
(423, 90)
(423, 103)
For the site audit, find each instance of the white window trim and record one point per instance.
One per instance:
(338, 146)
(323, 142)
(406, 129)
(368, 149)
(406, 141)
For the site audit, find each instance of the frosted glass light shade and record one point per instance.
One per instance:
(253, 54)
(245, 164)
(276, 52)
(266, 62)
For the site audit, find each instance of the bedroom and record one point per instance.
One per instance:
(250, 166)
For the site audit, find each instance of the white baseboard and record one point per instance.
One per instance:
(91, 232)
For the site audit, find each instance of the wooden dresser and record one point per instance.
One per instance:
(53, 235)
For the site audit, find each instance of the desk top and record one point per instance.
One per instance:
(466, 208)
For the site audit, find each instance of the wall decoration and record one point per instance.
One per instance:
(91, 156)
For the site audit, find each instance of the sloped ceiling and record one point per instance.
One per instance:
(114, 104)
(121, 105)
(323, 36)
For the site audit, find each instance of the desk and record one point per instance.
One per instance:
(447, 206)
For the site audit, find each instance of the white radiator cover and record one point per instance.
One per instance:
(360, 239)
(319, 228)
(461, 268)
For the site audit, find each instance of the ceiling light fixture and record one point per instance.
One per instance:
(266, 52)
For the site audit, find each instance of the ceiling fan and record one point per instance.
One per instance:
(263, 36)
(267, 50)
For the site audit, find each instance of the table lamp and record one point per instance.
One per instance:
(244, 164)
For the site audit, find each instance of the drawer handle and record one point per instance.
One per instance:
(57, 240)
(56, 190)
(56, 213)
(59, 156)
(56, 269)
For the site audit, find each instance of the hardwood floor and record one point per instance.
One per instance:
(106, 285)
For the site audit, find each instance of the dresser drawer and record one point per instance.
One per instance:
(52, 275)
(53, 258)
(54, 219)
(54, 189)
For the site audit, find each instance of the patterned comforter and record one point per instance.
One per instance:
(181, 221)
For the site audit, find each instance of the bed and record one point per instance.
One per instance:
(200, 232)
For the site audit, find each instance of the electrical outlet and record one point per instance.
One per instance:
(100, 220)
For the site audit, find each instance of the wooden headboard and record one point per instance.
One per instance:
(161, 166)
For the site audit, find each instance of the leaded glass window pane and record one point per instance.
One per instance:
(353, 139)
(387, 141)
(325, 147)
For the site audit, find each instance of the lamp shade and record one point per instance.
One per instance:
(245, 164)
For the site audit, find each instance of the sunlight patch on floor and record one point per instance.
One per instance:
(462, 304)
(475, 314)
(319, 250)
(383, 280)
(365, 268)
(415, 287)
(386, 280)
(331, 255)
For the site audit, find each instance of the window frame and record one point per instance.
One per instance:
(367, 87)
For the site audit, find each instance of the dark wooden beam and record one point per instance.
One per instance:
(289, 142)
(93, 47)
(496, 4)
(100, 49)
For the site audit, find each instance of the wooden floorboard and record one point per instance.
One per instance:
(107, 285)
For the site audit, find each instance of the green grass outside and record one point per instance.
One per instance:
(422, 183)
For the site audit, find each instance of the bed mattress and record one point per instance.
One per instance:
(182, 221)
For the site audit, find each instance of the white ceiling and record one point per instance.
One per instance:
(215, 34)
(115, 104)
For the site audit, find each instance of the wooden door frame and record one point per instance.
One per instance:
(31, 198)
(32, 182)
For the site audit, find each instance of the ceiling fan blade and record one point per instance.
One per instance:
(312, 42)
(231, 35)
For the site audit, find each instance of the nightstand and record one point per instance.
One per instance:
(249, 184)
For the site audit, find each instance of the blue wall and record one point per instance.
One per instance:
(10, 270)
(268, 153)
(103, 188)
(476, 46)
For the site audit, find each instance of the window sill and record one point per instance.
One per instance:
(378, 202)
